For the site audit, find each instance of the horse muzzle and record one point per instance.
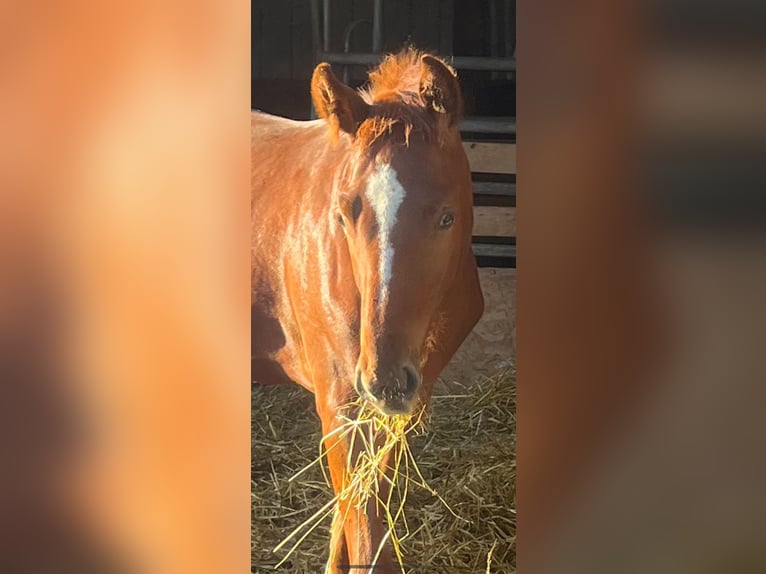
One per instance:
(391, 391)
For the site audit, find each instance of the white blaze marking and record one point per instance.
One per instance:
(385, 194)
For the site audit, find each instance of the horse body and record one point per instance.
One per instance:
(294, 249)
(363, 277)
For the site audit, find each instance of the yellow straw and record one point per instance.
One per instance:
(366, 472)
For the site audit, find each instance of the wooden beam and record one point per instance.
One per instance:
(494, 221)
(491, 157)
(501, 188)
(499, 125)
(490, 250)
(482, 63)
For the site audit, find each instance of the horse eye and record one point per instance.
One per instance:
(447, 220)
(340, 220)
(356, 208)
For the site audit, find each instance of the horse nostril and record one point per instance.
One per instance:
(412, 380)
(393, 385)
(378, 389)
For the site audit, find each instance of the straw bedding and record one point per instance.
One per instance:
(465, 452)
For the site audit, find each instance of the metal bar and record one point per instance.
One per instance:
(508, 34)
(459, 62)
(347, 43)
(500, 125)
(326, 23)
(446, 26)
(316, 44)
(347, 35)
(315, 33)
(493, 47)
(377, 27)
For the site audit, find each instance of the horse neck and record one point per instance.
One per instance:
(324, 170)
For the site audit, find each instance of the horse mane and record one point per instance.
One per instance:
(396, 109)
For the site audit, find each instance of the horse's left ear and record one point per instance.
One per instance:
(439, 88)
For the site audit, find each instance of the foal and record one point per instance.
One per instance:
(363, 278)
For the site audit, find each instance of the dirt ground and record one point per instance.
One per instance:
(492, 343)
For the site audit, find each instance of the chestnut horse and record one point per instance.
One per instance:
(363, 276)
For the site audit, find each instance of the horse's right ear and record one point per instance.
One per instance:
(341, 106)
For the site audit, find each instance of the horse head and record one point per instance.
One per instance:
(402, 204)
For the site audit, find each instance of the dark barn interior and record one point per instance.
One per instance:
(283, 55)
(290, 37)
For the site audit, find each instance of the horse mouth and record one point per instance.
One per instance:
(389, 406)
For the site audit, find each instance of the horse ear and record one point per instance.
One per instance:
(334, 101)
(439, 88)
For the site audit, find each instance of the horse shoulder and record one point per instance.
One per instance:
(281, 150)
